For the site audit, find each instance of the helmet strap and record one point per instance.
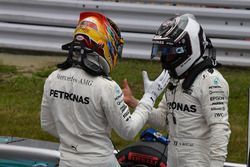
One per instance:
(207, 63)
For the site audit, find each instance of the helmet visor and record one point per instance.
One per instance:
(119, 50)
(169, 52)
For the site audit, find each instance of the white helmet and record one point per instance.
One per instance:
(180, 42)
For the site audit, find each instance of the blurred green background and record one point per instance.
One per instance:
(22, 86)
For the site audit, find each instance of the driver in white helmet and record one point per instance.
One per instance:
(194, 108)
(81, 103)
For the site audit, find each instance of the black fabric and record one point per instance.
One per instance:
(85, 64)
(196, 70)
(92, 68)
(66, 64)
(201, 39)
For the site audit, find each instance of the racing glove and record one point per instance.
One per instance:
(152, 89)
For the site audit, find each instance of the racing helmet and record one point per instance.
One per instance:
(97, 44)
(179, 42)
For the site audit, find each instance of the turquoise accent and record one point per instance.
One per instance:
(24, 163)
(5, 139)
(216, 81)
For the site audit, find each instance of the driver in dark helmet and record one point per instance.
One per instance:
(194, 108)
(81, 103)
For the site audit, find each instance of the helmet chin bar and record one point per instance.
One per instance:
(171, 70)
(172, 66)
(85, 58)
(173, 74)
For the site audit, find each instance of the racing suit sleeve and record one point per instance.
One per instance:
(47, 119)
(158, 116)
(125, 124)
(214, 100)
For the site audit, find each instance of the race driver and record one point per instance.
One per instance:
(81, 103)
(194, 108)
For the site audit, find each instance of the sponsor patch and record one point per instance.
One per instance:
(69, 96)
(214, 87)
(89, 23)
(79, 37)
(181, 107)
(176, 143)
(188, 91)
(216, 98)
(210, 70)
(117, 90)
(216, 81)
(217, 103)
(217, 108)
(218, 115)
(216, 92)
(82, 81)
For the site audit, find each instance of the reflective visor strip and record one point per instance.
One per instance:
(154, 51)
(119, 50)
(159, 50)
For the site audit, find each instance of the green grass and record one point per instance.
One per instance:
(20, 100)
(7, 69)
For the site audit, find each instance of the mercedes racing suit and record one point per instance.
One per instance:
(196, 120)
(80, 110)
